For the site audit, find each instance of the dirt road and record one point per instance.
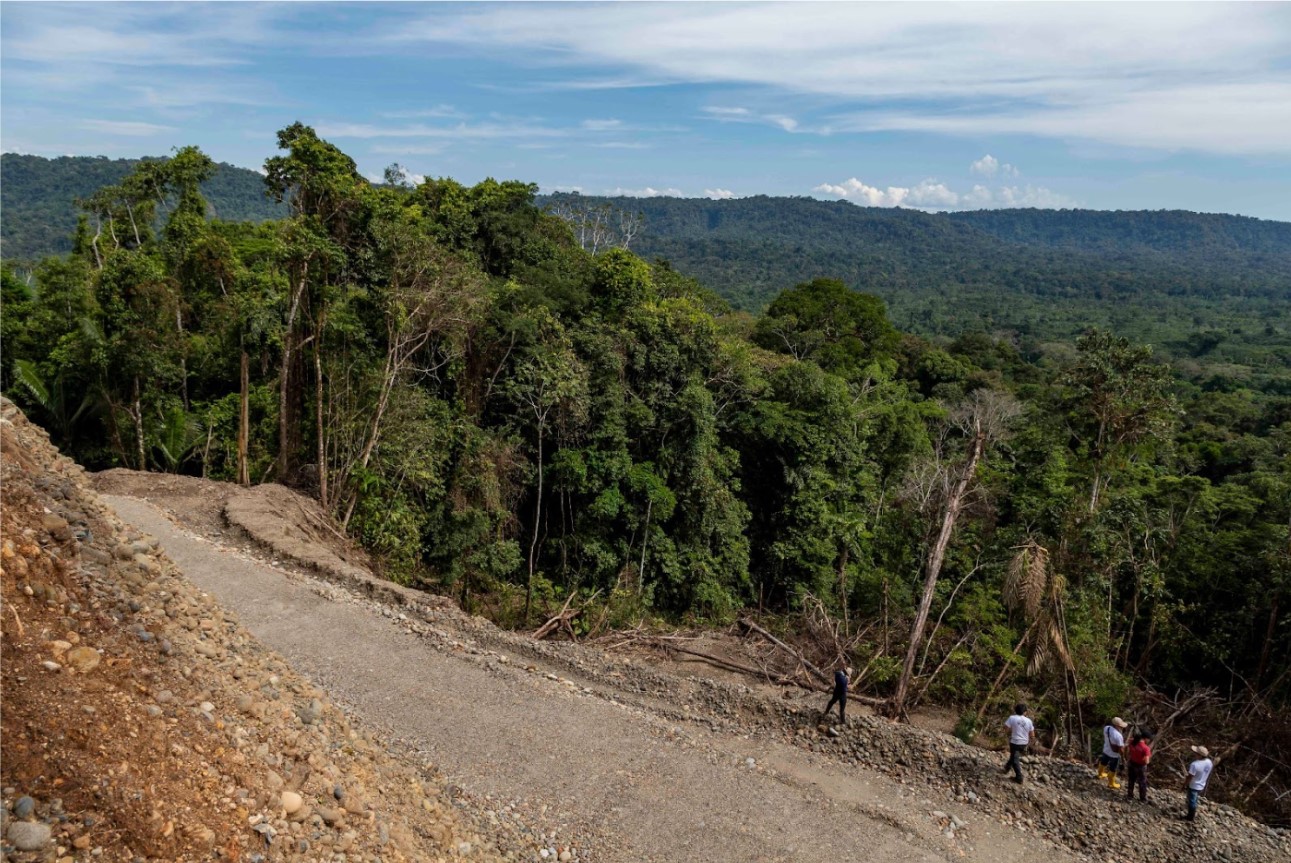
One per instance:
(656, 789)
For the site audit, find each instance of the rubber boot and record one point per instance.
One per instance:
(1112, 783)
(1102, 771)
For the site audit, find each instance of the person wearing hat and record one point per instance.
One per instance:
(1137, 756)
(1198, 776)
(1021, 732)
(1113, 743)
(842, 677)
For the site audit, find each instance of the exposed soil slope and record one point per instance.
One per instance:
(142, 721)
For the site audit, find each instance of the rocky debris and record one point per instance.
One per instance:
(142, 723)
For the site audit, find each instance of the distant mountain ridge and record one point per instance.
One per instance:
(38, 198)
(748, 249)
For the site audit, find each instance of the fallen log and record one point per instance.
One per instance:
(564, 618)
(716, 660)
(553, 623)
(806, 663)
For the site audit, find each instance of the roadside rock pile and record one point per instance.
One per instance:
(1060, 800)
(141, 722)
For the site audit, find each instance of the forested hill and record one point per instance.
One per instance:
(1178, 233)
(38, 198)
(750, 248)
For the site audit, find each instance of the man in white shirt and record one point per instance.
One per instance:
(1021, 731)
(1113, 743)
(1198, 776)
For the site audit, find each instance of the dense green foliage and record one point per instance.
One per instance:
(39, 198)
(498, 413)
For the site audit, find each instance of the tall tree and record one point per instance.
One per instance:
(983, 421)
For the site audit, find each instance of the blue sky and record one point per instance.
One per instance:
(937, 106)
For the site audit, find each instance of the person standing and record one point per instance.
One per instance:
(1198, 776)
(842, 678)
(1137, 756)
(1113, 743)
(1021, 732)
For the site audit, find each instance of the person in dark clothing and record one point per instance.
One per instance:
(842, 677)
(1021, 732)
(1137, 756)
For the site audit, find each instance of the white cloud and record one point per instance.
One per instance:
(1208, 77)
(647, 192)
(441, 112)
(870, 196)
(623, 145)
(1232, 119)
(744, 115)
(989, 166)
(602, 125)
(130, 128)
(933, 195)
(719, 194)
(408, 149)
(479, 131)
(719, 111)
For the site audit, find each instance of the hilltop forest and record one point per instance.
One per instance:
(499, 413)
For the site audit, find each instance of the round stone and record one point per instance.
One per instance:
(291, 802)
(29, 835)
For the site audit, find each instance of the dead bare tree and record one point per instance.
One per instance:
(982, 420)
(597, 225)
(427, 306)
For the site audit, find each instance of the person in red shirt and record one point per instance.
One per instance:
(1137, 756)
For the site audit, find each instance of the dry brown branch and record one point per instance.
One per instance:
(16, 619)
(553, 622)
(564, 619)
(805, 662)
(715, 660)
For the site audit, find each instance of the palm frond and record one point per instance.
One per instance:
(1026, 583)
(26, 374)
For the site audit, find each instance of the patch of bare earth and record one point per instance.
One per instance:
(141, 721)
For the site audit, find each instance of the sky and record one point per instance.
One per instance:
(929, 105)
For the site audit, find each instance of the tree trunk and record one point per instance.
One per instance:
(842, 582)
(285, 414)
(319, 428)
(94, 243)
(1266, 649)
(981, 711)
(138, 427)
(244, 421)
(936, 556)
(390, 374)
(533, 543)
(183, 360)
(138, 241)
(645, 541)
